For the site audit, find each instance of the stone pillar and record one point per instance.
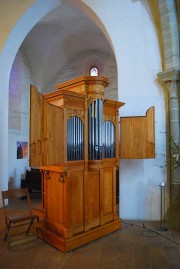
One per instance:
(172, 80)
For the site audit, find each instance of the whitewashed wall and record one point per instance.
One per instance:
(138, 88)
(134, 39)
(18, 119)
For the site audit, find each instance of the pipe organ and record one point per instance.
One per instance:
(74, 140)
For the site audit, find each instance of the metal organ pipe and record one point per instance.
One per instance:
(101, 137)
(90, 133)
(109, 141)
(101, 130)
(107, 145)
(81, 140)
(68, 138)
(113, 140)
(75, 139)
(95, 126)
(96, 117)
(92, 130)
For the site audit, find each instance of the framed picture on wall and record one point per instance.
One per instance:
(22, 150)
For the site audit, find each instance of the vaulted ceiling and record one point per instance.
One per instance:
(57, 38)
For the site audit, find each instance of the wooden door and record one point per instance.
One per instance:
(53, 135)
(46, 131)
(137, 136)
(36, 126)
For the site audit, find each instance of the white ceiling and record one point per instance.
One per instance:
(57, 38)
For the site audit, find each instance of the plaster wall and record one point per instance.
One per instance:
(80, 66)
(138, 59)
(139, 89)
(20, 80)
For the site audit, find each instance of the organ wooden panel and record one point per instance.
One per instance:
(75, 205)
(46, 132)
(54, 135)
(36, 126)
(107, 192)
(64, 201)
(91, 199)
(54, 199)
(137, 136)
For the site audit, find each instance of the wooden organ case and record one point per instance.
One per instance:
(74, 140)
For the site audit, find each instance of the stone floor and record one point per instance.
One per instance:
(135, 246)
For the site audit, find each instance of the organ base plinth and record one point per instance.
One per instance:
(67, 244)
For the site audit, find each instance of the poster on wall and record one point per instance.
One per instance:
(22, 150)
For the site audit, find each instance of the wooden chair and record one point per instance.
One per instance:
(16, 217)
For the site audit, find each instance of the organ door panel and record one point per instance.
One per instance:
(36, 123)
(54, 135)
(46, 132)
(137, 136)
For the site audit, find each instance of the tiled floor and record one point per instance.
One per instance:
(131, 247)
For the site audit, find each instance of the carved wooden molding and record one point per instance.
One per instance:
(61, 177)
(110, 118)
(75, 112)
(92, 99)
(46, 175)
(96, 166)
(95, 96)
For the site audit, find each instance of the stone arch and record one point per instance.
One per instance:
(14, 39)
(10, 48)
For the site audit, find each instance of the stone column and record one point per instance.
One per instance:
(172, 80)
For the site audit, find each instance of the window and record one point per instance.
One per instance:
(94, 71)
